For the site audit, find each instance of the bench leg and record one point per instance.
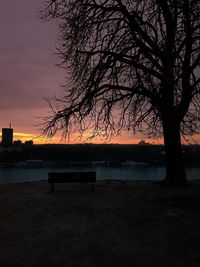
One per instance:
(52, 187)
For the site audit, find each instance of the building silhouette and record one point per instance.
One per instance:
(17, 143)
(28, 143)
(7, 137)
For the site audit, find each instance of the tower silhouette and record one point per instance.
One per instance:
(7, 136)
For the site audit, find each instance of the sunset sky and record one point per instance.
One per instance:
(28, 73)
(27, 66)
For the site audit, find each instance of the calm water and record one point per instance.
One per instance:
(124, 172)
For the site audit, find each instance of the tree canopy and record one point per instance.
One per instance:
(133, 65)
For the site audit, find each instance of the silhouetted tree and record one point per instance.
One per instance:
(134, 64)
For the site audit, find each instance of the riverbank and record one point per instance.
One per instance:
(120, 224)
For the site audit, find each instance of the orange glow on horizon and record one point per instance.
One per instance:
(75, 139)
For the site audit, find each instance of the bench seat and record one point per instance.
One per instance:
(71, 177)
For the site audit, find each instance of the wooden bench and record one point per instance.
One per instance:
(71, 177)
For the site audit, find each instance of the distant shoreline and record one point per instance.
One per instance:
(86, 153)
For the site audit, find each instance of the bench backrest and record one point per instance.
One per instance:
(71, 177)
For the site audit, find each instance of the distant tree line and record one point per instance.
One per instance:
(153, 154)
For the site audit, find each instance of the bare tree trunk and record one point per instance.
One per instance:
(175, 169)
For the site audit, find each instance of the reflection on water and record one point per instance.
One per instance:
(135, 171)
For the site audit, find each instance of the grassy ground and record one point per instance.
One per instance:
(121, 224)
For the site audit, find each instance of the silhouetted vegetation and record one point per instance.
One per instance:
(133, 65)
(87, 153)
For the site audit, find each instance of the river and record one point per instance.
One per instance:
(129, 171)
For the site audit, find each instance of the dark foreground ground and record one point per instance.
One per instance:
(121, 224)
